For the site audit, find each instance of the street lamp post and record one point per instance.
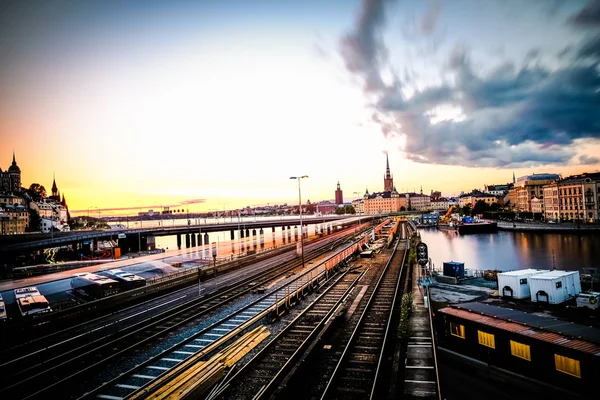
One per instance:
(298, 178)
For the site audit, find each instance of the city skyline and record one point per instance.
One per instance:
(218, 104)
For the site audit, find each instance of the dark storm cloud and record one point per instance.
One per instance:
(589, 16)
(590, 48)
(363, 49)
(517, 117)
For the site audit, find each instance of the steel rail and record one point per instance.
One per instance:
(162, 317)
(200, 333)
(250, 366)
(335, 375)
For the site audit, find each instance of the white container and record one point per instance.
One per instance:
(515, 284)
(555, 287)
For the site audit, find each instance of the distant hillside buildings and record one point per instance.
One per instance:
(17, 206)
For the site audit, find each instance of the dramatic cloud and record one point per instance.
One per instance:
(363, 49)
(589, 16)
(430, 18)
(505, 117)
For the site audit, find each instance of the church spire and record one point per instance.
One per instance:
(388, 181)
(14, 161)
(388, 175)
(54, 187)
(514, 181)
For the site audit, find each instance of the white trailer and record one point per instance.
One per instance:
(515, 284)
(555, 287)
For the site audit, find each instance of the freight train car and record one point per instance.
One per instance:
(544, 348)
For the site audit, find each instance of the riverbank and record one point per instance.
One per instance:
(565, 227)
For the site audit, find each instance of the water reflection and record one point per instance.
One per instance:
(514, 250)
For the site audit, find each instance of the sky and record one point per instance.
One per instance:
(214, 105)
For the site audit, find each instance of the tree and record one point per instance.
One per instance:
(467, 209)
(36, 192)
(480, 207)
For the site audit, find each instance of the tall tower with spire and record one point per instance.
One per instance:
(10, 180)
(55, 188)
(514, 180)
(388, 180)
(339, 196)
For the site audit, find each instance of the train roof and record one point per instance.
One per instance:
(26, 291)
(94, 278)
(123, 274)
(563, 333)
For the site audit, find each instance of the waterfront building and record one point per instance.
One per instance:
(10, 180)
(578, 197)
(359, 205)
(551, 208)
(440, 203)
(325, 207)
(530, 186)
(537, 206)
(498, 190)
(419, 201)
(339, 196)
(382, 202)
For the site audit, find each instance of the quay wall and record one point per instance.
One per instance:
(549, 228)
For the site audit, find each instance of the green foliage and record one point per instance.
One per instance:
(345, 210)
(36, 191)
(467, 210)
(480, 207)
(405, 311)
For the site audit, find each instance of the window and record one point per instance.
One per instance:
(520, 350)
(567, 365)
(523, 281)
(457, 330)
(486, 339)
(558, 285)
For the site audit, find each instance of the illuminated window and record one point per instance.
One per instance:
(486, 339)
(567, 365)
(457, 330)
(520, 350)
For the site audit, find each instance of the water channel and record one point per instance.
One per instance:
(507, 251)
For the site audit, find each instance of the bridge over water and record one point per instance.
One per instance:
(134, 238)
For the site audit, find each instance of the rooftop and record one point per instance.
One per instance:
(521, 272)
(555, 274)
(564, 333)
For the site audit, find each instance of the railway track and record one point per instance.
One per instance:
(62, 364)
(260, 374)
(359, 366)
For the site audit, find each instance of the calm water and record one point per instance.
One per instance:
(507, 251)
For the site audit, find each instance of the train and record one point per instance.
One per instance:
(2, 309)
(30, 301)
(94, 286)
(126, 280)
